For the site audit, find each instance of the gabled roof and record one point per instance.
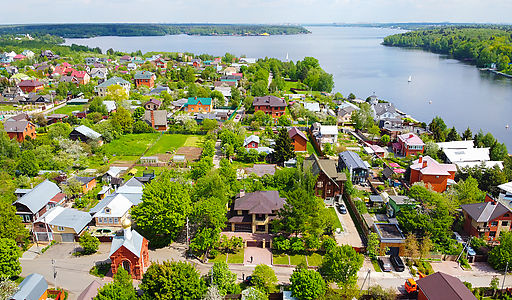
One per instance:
(160, 116)
(84, 180)
(261, 169)
(19, 117)
(112, 81)
(352, 160)
(381, 108)
(32, 287)
(327, 166)
(88, 132)
(485, 211)
(154, 101)
(134, 245)
(411, 139)
(143, 75)
(66, 217)
(15, 126)
(432, 167)
(467, 155)
(196, 101)
(30, 83)
(507, 187)
(329, 130)
(117, 203)
(456, 145)
(39, 196)
(90, 291)
(115, 171)
(294, 131)
(250, 139)
(441, 286)
(261, 202)
(271, 101)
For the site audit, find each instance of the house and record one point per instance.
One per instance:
(113, 172)
(91, 60)
(261, 170)
(395, 203)
(195, 104)
(270, 105)
(31, 86)
(381, 111)
(20, 130)
(330, 182)
(344, 115)
(252, 142)
(351, 161)
(160, 63)
(110, 210)
(81, 77)
(129, 251)
(156, 119)
(87, 183)
(90, 292)
(100, 73)
(84, 134)
(48, 54)
(390, 237)
(312, 106)
(111, 106)
(29, 54)
(225, 83)
(152, 104)
(408, 144)
(430, 172)
(375, 150)
(505, 196)
(61, 224)
(299, 139)
(38, 200)
(253, 212)
(487, 219)
(19, 57)
(159, 89)
(465, 155)
(125, 59)
(144, 78)
(101, 89)
(33, 287)
(441, 286)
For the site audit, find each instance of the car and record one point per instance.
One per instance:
(397, 263)
(471, 252)
(384, 264)
(458, 238)
(342, 208)
(248, 280)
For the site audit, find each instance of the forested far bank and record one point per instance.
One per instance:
(486, 46)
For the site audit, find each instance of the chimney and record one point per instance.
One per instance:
(152, 119)
(420, 160)
(242, 193)
(424, 164)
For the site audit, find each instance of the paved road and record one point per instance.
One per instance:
(349, 236)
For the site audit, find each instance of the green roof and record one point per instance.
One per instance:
(195, 101)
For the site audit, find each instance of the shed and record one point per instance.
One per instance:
(34, 286)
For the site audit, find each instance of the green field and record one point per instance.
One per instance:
(280, 259)
(297, 259)
(236, 258)
(9, 107)
(68, 109)
(337, 223)
(131, 144)
(219, 258)
(168, 142)
(192, 141)
(314, 260)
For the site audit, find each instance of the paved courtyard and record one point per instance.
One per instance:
(259, 256)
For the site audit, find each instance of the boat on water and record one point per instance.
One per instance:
(410, 79)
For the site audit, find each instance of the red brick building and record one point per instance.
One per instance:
(271, 105)
(31, 86)
(130, 252)
(144, 78)
(408, 144)
(486, 220)
(20, 130)
(201, 105)
(430, 172)
(299, 139)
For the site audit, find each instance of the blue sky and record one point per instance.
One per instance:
(255, 11)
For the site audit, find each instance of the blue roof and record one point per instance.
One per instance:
(352, 160)
(31, 288)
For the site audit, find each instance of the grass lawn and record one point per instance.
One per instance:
(9, 107)
(100, 270)
(236, 258)
(376, 265)
(68, 109)
(168, 142)
(131, 144)
(314, 260)
(291, 85)
(140, 170)
(280, 259)
(337, 223)
(219, 258)
(297, 259)
(311, 149)
(192, 141)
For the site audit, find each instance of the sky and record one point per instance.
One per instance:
(255, 11)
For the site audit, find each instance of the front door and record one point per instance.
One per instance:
(126, 266)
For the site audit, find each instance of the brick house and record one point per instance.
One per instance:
(195, 104)
(253, 212)
(35, 202)
(31, 86)
(487, 219)
(299, 139)
(271, 105)
(441, 286)
(144, 78)
(81, 77)
(329, 181)
(20, 130)
(408, 144)
(430, 172)
(130, 252)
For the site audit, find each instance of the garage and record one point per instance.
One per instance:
(68, 237)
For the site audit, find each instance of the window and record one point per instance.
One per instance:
(110, 220)
(494, 223)
(320, 184)
(107, 210)
(492, 233)
(504, 223)
(506, 215)
(60, 228)
(26, 218)
(116, 220)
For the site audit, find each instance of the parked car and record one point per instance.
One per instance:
(471, 252)
(248, 280)
(342, 208)
(397, 263)
(458, 238)
(384, 264)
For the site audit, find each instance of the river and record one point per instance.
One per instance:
(460, 93)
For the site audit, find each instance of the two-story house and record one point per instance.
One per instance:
(383, 111)
(20, 130)
(38, 200)
(31, 86)
(486, 219)
(252, 142)
(144, 78)
(87, 183)
(201, 105)
(253, 212)
(299, 139)
(110, 210)
(100, 73)
(330, 182)
(157, 119)
(408, 144)
(61, 224)
(101, 89)
(152, 104)
(351, 161)
(430, 172)
(270, 105)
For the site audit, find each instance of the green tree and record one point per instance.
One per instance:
(201, 168)
(307, 284)
(28, 163)
(411, 247)
(122, 120)
(363, 118)
(453, 135)
(385, 139)
(173, 280)
(225, 280)
(253, 293)
(117, 93)
(259, 88)
(120, 289)
(11, 226)
(97, 105)
(498, 152)
(9, 255)
(372, 248)
(138, 113)
(431, 149)
(142, 127)
(467, 191)
(283, 149)
(467, 134)
(502, 254)
(163, 211)
(341, 265)
(264, 278)
(89, 243)
(59, 130)
(438, 129)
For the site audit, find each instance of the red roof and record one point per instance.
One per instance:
(57, 198)
(294, 131)
(30, 83)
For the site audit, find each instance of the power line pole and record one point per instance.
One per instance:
(504, 276)
(54, 273)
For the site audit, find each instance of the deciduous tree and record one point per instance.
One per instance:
(264, 278)
(221, 277)
(502, 254)
(307, 284)
(89, 243)
(120, 289)
(341, 265)
(9, 255)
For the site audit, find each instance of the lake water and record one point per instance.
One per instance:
(461, 94)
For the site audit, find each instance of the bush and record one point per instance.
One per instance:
(424, 267)
(361, 206)
(328, 244)
(100, 270)
(297, 245)
(213, 253)
(89, 243)
(281, 244)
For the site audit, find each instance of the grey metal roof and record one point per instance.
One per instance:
(485, 211)
(39, 196)
(84, 180)
(261, 202)
(31, 288)
(66, 217)
(112, 81)
(352, 160)
(250, 139)
(134, 245)
(15, 126)
(88, 132)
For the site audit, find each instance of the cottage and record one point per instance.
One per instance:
(100, 73)
(430, 172)
(129, 251)
(61, 224)
(345, 114)
(299, 139)
(101, 89)
(408, 144)
(252, 142)
(195, 104)
(487, 220)
(145, 78)
(110, 210)
(33, 287)
(270, 105)
(125, 59)
(159, 89)
(110, 105)
(20, 130)
(157, 119)
(395, 203)
(84, 134)
(330, 182)
(113, 172)
(253, 212)
(351, 161)
(31, 86)
(383, 111)
(441, 286)
(87, 183)
(38, 200)
(152, 104)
